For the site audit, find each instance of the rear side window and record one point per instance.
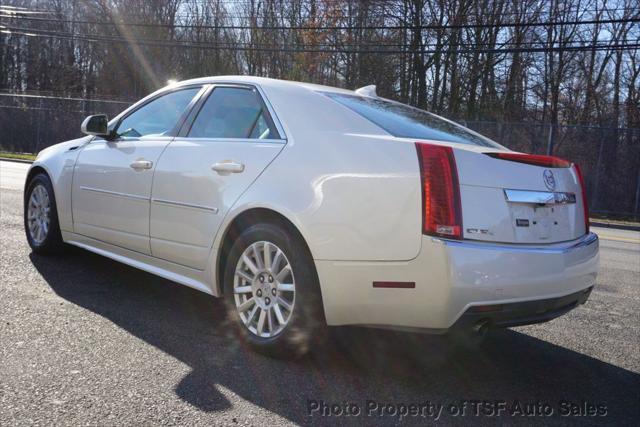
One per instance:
(403, 121)
(232, 112)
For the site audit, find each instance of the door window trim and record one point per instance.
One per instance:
(195, 111)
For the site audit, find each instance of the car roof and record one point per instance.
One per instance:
(265, 82)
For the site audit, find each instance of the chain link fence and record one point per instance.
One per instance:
(29, 123)
(609, 157)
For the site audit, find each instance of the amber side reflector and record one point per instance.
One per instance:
(395, 285)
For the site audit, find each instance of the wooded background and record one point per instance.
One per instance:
(550, 76)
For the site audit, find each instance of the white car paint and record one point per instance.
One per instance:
(110, 198)
(182, 231)
(479, 188)
(452, 276)
(351, 189)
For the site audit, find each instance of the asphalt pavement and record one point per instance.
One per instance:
(85, 340)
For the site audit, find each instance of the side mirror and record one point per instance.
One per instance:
(96, 125)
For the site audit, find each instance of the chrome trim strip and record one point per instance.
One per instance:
(115, 193)
(554, 248)
(539, 197)
(249, 140)
(184, 205)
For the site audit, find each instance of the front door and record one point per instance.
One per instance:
(112, 179)
(203, 172)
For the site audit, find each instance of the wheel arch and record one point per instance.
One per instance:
(240, 223)
(33, 171)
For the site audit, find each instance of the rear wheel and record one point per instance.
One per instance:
(272, 293)
(41, 216)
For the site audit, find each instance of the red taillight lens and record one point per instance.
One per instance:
(585, 202)
(442, 215)
(532, 159)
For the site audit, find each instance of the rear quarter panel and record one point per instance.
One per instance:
(353, 192)
(357, 198)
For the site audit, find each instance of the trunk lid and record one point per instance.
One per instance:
(512, 202)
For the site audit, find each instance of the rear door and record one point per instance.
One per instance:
(112, 178)
(220, 151)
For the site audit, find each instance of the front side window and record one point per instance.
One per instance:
(234, 112)
(158, 117)
(407, 122)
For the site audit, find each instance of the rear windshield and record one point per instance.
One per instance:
(408, 122)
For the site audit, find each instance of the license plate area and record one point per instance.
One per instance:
(540, 222)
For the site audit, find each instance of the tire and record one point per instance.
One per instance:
(304, 324)
(39, 200)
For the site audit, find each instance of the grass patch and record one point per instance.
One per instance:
(20, 156)
(618, 220)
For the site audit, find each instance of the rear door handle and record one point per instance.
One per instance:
(226, 167)
(141, 164)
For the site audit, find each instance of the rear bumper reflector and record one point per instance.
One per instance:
(395, 285)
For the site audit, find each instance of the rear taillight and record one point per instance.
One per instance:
(441, 212)
(585, 202)
(532, 159)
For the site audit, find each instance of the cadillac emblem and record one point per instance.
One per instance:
(549, 179)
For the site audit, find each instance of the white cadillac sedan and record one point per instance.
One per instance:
(305, 206)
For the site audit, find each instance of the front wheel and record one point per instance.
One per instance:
(272, 292)
(41, 216)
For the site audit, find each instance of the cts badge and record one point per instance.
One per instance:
(478, 231)
(549, 179)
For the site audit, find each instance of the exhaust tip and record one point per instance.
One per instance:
(481, 327)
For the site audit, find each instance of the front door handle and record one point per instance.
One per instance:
(226, 167)
(141, 164)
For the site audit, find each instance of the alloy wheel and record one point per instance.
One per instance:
(38, 214)
(264, 289)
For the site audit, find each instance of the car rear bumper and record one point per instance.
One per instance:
(454, 279)
(520, 313)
